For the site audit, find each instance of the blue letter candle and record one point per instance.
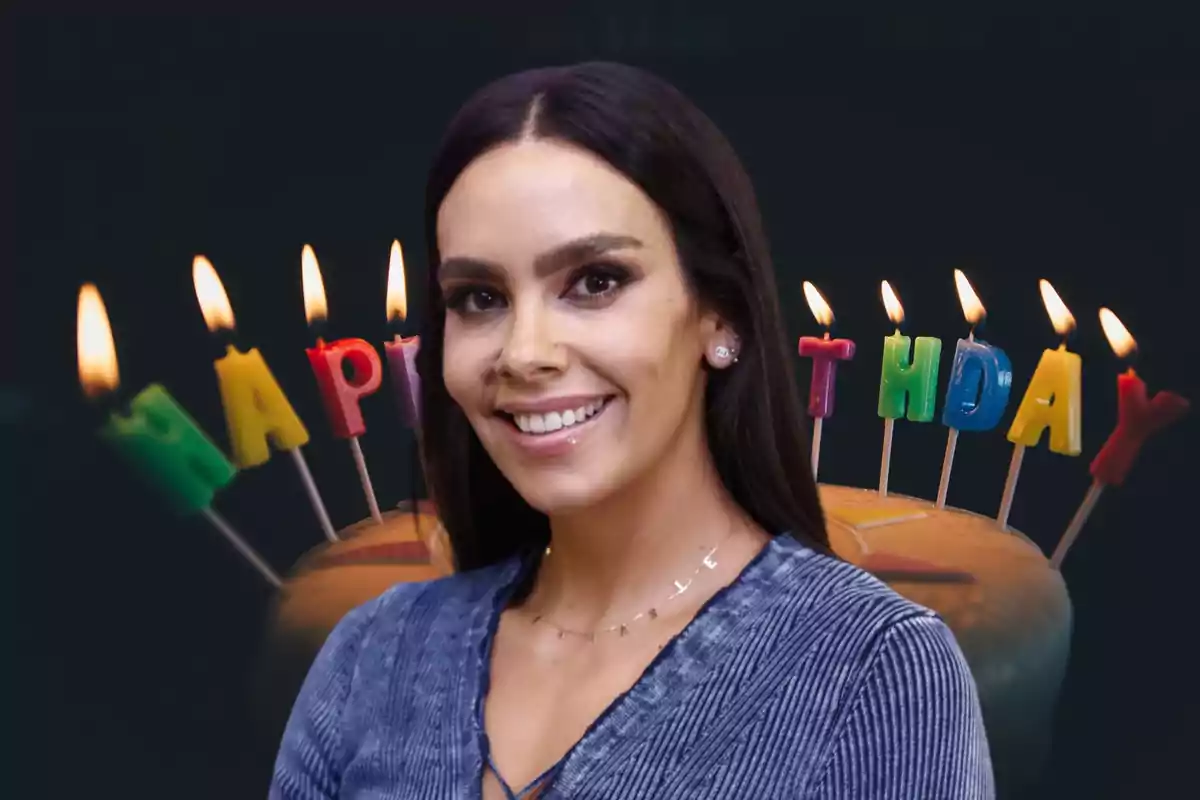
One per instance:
(980, 380)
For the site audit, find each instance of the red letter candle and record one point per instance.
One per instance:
(1137, 419)
(339, 393)
(825, 354)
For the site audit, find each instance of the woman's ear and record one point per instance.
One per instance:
(723, 345)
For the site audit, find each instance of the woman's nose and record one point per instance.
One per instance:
(532, 348)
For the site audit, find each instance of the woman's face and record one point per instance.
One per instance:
(572, 341)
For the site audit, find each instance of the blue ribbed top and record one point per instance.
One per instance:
(804, 678)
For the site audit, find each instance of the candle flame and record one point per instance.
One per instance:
(315, 307)
(891, 302)
(816, 303)
(1060, 316)
(397, 289)
(1119, 337)
(214, 303)
(972, 307)
(98, 373)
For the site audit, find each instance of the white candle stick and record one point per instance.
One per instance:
(314, 496)
(1010, 485)
(1077, 523)
(242, 547)
(816, 445)
(364, 478)
(947, 465)
(885, 463)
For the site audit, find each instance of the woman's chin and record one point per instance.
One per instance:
(567, 492)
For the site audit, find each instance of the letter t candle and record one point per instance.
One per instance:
(825, 353)
(339, 393)
(1138, 418)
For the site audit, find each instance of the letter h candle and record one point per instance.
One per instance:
(907, 382)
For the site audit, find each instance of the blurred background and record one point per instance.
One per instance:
(1013, 148)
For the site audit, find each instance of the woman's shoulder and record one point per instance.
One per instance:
(444, 602)
(817, 589)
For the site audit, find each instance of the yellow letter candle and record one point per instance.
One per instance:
(257, 413)
(256, 409)
(1053, 400)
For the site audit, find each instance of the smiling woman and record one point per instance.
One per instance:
(645, 603)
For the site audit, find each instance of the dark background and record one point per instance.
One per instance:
(1014, 148)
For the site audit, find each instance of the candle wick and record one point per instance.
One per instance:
(827, 334)
(971, 335)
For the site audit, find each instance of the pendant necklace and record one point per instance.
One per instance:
(708, 563)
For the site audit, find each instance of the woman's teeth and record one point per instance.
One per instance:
(557, 420)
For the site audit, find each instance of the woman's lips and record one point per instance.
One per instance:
(568, 435)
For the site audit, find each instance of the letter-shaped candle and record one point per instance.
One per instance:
(256, 410)
(1137, 419)
(153, 434)
(339, 393)
(402, 350)
(904, 378)
(825, 354)
(1053, 400)
(980, 380)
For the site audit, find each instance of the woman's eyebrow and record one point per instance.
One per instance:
(546, 264)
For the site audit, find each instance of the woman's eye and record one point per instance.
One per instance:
(473, 300)
(598, 283)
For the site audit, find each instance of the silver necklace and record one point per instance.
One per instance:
(622, 629)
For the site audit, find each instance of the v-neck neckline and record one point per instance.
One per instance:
(686, 647)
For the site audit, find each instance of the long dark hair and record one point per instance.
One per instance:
(650, 132)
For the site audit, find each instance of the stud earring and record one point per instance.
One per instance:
(722, 352)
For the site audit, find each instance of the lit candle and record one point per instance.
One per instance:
(980, 380)
(908, 379)
(825, 353)
(402, 351)
(1054, 400)
(257, 413)
(1138, 418)
(153, 433)
(339, 393)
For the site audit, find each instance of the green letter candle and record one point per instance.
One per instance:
(167, 448)
(914, 380)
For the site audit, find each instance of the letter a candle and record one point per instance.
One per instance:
(904, 378)
(340, 394)
(825, 353)
(256, 410)
(153, 434)
(980, 379)
(1053, 400)
(1138, 418)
